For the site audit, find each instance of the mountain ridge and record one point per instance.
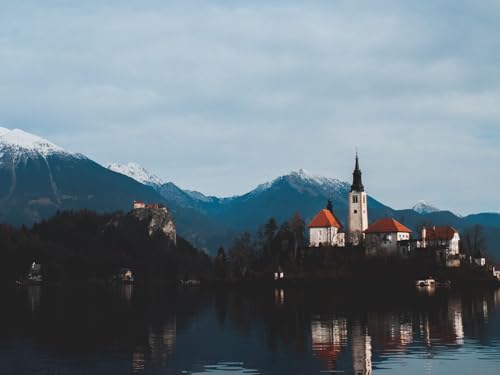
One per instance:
(38, 178)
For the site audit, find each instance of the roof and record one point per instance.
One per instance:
(387, 225)
(324, 219)
(440, 233)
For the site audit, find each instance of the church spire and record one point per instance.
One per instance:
(329, 206)
(357, 185)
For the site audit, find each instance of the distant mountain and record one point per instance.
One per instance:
(424, 208)
(306, 193)
(138, 173)
(38, 178)
(281, 198)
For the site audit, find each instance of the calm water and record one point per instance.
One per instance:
(239, 331)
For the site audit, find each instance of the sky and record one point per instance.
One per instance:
(220, 96)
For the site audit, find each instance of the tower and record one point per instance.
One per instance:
(358, 208)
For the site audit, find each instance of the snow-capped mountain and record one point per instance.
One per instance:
(423, 207)
(37, 178)
(20, 144)
(137, 172)
(297, 191)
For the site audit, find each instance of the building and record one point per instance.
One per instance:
(386, 237)
(325, 229)
(358, 208)
(445, 238)
(139, 204)
(158, 218)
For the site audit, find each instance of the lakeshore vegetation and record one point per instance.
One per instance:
(83, 246)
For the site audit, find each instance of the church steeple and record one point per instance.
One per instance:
(329, 206)
(357, 185)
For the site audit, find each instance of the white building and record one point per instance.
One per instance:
(384, 237)
(324, 230)
(358, 208)
(446, 238)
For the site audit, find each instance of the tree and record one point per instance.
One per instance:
(220, 264)
(242, 255)
(297, 227)
(474, 241)
(269, 231)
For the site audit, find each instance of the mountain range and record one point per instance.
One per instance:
(38, 178)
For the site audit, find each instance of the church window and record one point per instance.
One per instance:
(355, 211)
(354, 199)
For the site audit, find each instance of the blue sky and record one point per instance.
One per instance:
(220, 96)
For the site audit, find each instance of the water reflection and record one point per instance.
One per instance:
(126, 291)
(226, 367)
(279, 297)
(361, 350)
(329, 336)
(276, 331)
(34, 293)
(162, 341)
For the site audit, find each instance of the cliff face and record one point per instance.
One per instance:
(158, 219)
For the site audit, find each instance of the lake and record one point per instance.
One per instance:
(237, 330)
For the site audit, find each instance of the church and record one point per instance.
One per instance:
(325, 229)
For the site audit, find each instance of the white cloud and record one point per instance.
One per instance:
(220, 96)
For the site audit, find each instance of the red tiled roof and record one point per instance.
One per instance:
(324, 219)
(440, 233)
(387, 226)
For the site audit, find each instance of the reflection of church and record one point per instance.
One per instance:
(361, 350)
(335, 341)
(331, 338)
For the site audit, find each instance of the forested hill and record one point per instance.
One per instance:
(84, 246)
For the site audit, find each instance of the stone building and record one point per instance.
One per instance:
(386, 237)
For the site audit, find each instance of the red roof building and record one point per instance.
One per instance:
(440, 233)
(444, 237)
(324, 219)
(324, 229)
(385, 237)
(387, 225)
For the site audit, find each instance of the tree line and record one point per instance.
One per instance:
(82, 246)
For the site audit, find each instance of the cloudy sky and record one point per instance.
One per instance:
(219, 96)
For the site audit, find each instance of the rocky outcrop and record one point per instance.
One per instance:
(159, 219)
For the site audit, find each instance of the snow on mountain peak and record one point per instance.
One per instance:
(137, 172)
(423, 207)
(304, 180)
(19, 140)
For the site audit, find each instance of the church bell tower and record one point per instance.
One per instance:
(358, 208)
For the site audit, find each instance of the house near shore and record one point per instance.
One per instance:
(444, 237)
(387, 237)
(325, 229)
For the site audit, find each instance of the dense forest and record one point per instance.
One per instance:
(84, 246)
